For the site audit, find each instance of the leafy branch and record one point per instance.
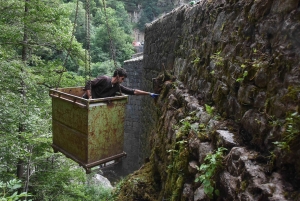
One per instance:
(292, 132)
(209, 169)
(10, 190)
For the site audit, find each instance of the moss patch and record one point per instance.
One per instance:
(141, 185)
(176, 174)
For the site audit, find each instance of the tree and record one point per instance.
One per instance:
(121, 15)
(31, 30)
(35, 38)
(122, 41)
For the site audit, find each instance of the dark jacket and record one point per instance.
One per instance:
(102, 87)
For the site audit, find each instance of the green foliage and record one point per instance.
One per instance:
(147, 15)
(209, 109)
(25, 129)
(122, 15)
(64, 180)
(71, 79)
(178, 160)
(152, 10)
(186, 125)
(97, 192)
(174, 151)
(189, 124)
(282, 145)
(119, 30)
(241, 79)
(10, 191)
(292, 94)
(272, 157)
(202, 132)
(196, 60)
(102, 68)
(208, 171)
(243, 185)
(291, 135)
(51, 175)
(34, 44)
(47, 28)
(32, 115)
(219, 60)
(117, 188)
(80, 32)
(273, 122)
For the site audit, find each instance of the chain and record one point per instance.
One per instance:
(112, 49)
(70, 47)
(88, 41)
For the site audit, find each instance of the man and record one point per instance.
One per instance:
(104, 86)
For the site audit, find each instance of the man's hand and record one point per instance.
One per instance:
(153, 95)
(89, 94)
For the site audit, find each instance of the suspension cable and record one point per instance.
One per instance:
(112, 49)
(88, 41)
(70, 47)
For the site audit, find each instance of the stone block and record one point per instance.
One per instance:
(225, 139)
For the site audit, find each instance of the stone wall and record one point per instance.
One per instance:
(140, 114)
(132, 133)
(242, 57)
(237, 64)
(135, 141)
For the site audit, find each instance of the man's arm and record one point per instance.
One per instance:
(137, 92)
(88, 93)
(140, 92)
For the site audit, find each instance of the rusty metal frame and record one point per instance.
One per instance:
(88, 166)
(71, 98)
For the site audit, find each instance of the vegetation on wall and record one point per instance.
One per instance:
(209, 170)
(230, 58)
(291, 135)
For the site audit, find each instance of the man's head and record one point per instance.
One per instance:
(119, 75)
(120, 72)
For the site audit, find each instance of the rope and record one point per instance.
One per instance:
(112, 50)
(70, 47)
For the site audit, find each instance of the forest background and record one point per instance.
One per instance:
(38, 52)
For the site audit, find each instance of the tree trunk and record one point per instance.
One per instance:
(28, 171)
(20, 165)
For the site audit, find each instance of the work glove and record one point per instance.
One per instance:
(153, 95)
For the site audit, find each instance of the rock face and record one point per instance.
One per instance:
(229, 76)
(246, 179)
